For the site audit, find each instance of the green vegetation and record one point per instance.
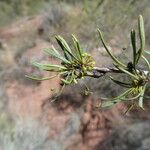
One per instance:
(77, 64)
(27, 134)
(28, 25)
(10, 10)
(81, 18)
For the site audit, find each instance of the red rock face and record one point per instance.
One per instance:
(26, 99)
(18, 28)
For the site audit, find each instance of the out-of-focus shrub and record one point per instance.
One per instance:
(27, 135)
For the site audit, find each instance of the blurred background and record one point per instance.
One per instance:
(28, 120)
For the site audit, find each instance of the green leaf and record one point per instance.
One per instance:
(53, 48)
(107, 104)
(48, 67)
(64, 46)
(40, 79)
(141, 97)
(133, 41)
(108, 50)
(141, 102)
(127, 72)
(127, 85)
(115, 100)
(141, 36)
(147, 52)
(67, 51)
(147, 62)
(120, 96)
(77, 47)
(53, 53)
(132, 98)
(68, 80)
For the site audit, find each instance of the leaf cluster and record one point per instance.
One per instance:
(139, 79)
(75, 64)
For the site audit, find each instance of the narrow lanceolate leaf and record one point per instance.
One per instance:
(67, 51)
(64, 46)
(147, 62)
(133, 41)
(68, 79)
(67, 82)
(40, 79)
(56, 55)
(121, 96)
(48, 67)
(126, 72)
(78, 49)
(127, 85)
(108, 50)
(141, 97)
(147, 52)
(53, 48)
(109, 103)
(141, 36)
(132, 98)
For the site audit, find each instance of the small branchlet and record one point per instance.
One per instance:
(77, 64)
(139, 79)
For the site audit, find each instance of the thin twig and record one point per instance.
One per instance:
(99, 72)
